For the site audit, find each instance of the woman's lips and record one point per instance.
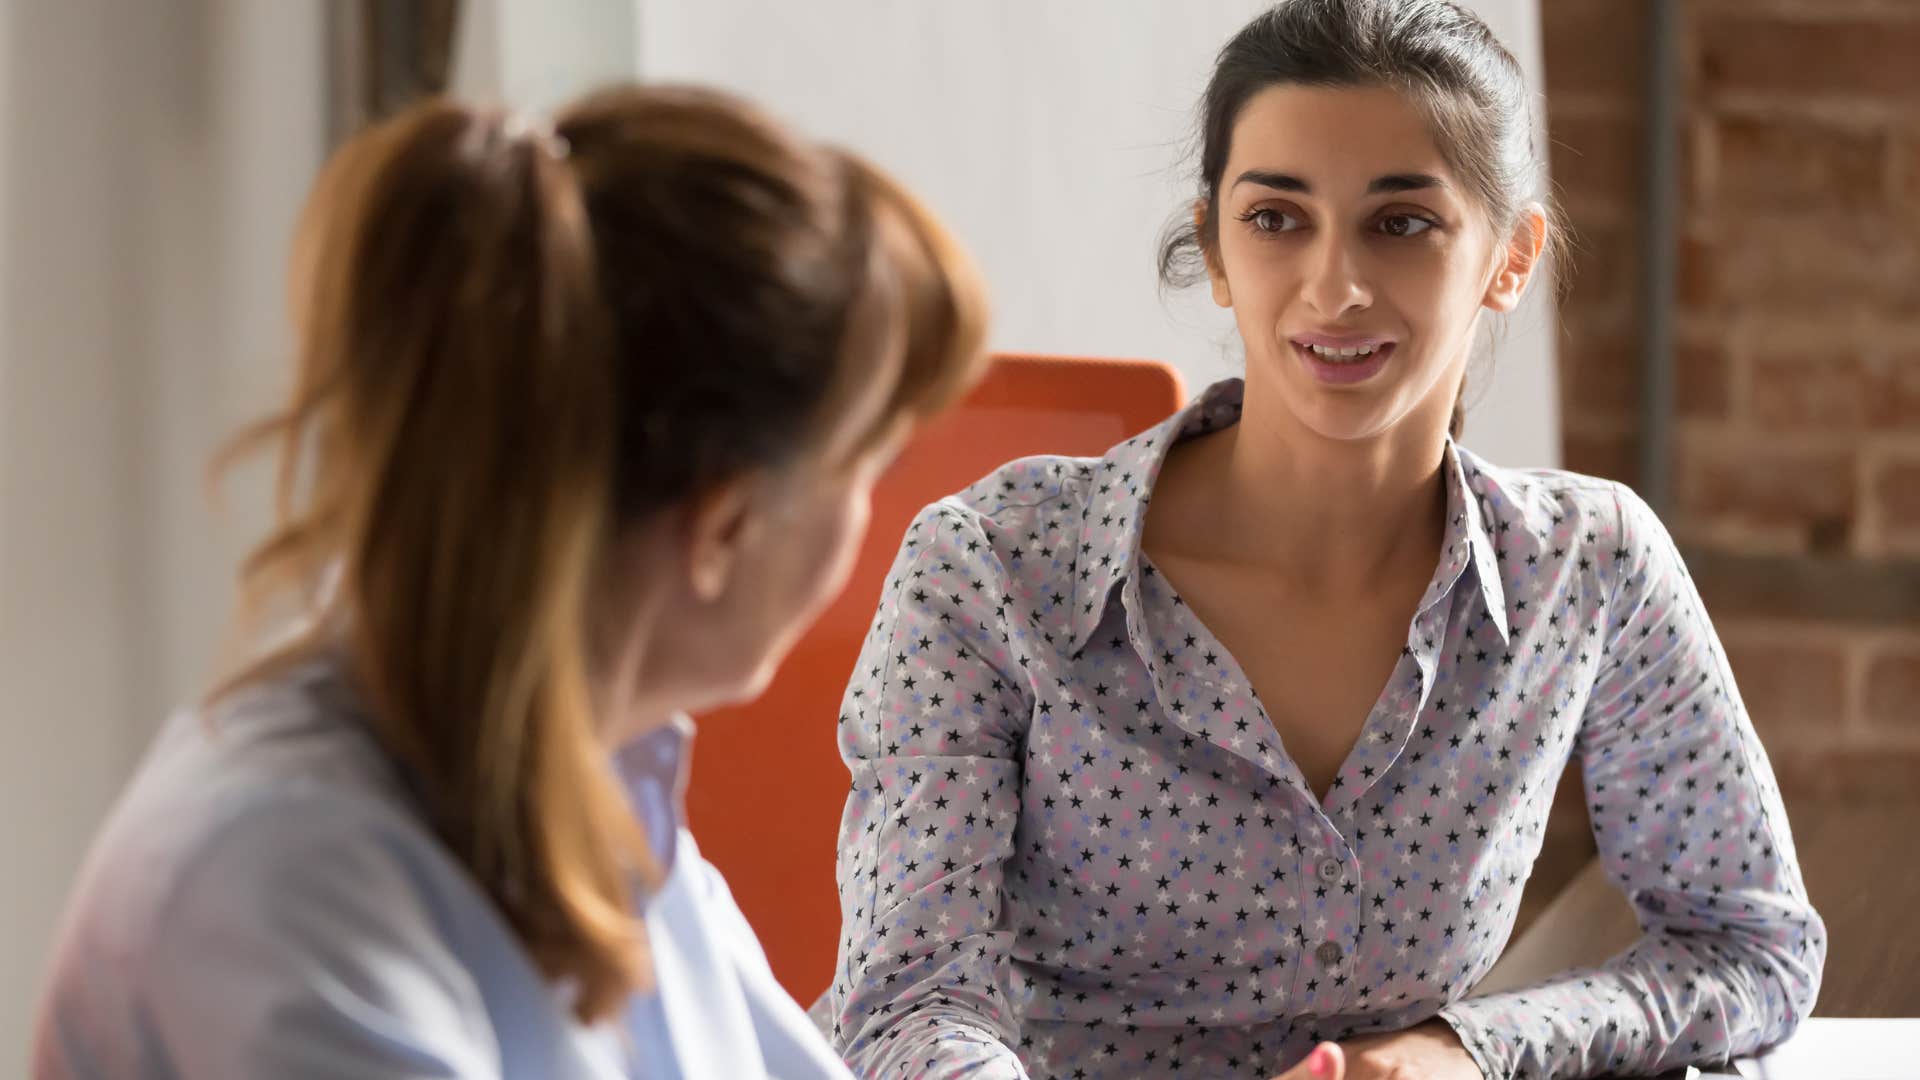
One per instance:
(1341, 370)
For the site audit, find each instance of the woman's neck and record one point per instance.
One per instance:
(1329, 516)
(626, 609)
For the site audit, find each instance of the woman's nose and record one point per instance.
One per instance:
(1335, 285)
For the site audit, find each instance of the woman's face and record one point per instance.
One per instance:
(708, 602)
(814, 520)
(1355, 264)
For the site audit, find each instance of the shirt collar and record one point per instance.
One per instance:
(1468, 533)
(1122, 487)
(653, 767)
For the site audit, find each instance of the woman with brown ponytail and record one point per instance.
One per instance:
(582, 432)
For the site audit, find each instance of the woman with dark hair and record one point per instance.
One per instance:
(582, 434)
(1242, 737)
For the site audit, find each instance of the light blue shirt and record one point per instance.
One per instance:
(266, 900)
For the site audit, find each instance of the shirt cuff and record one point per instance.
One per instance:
(1489, 1053)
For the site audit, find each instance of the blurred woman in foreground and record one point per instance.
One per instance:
(582, 434)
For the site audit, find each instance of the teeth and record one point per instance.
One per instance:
(1326, 353)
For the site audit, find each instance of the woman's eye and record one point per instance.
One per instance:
(1269, 220)
(1404, 225)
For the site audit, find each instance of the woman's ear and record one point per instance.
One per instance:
(718, 527)
(1514, 266)
(1216, 275)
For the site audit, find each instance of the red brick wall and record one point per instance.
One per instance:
(1797, 438)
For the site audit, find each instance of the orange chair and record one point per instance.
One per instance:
(768, 784)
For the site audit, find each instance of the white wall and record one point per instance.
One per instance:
(536, 54)
(66, 580)
(152, 156)
(1050, 134)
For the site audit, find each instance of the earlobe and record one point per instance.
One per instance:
(1502, 294)
(707, 573)
(1216, 276)
(1222, 295)
(718, 526)
(1520, 259)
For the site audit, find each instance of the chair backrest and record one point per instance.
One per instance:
(768, 784)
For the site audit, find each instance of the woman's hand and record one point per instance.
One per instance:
(1429, 1051)
(1327, 1062)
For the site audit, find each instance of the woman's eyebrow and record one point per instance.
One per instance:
(1276, 180)
(1390, 184)
(1398, 182)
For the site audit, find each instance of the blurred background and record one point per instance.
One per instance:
(1739, 336)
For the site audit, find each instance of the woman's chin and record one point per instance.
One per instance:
(748, 686)
(756, 684)
(1347, 421)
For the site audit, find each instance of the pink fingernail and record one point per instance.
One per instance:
(1320, 1063)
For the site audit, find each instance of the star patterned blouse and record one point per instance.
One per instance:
(1075, 846)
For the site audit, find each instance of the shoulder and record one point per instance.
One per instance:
(1042, 504)
(731, 1017)
(265, 809)
(1044, 488)
(302, 851)
(1544, 499)
(1554, 496)
(1600, 527)
(1011, 524)
(703, 947)
(1530, 509)
(252, 879)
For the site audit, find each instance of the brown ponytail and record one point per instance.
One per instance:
(513, 344)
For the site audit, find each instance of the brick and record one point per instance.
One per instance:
(1696, 279)
(1850, 774)
(1602, 371)
(1799, 390)
(1783, 163)
(1830, 265)
(1836, 390)
(1895, 490)
(1613, 455)
(1595, 157)
(1899, 408)
(1760, 483)
(1840, 590)
(1698, 156)
(1795, 691)
(1796, 58)
(1910, 170)
(1700, 378)
(1594, 48)
(1699, 532)
(1603, 263)
(1893, 690)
